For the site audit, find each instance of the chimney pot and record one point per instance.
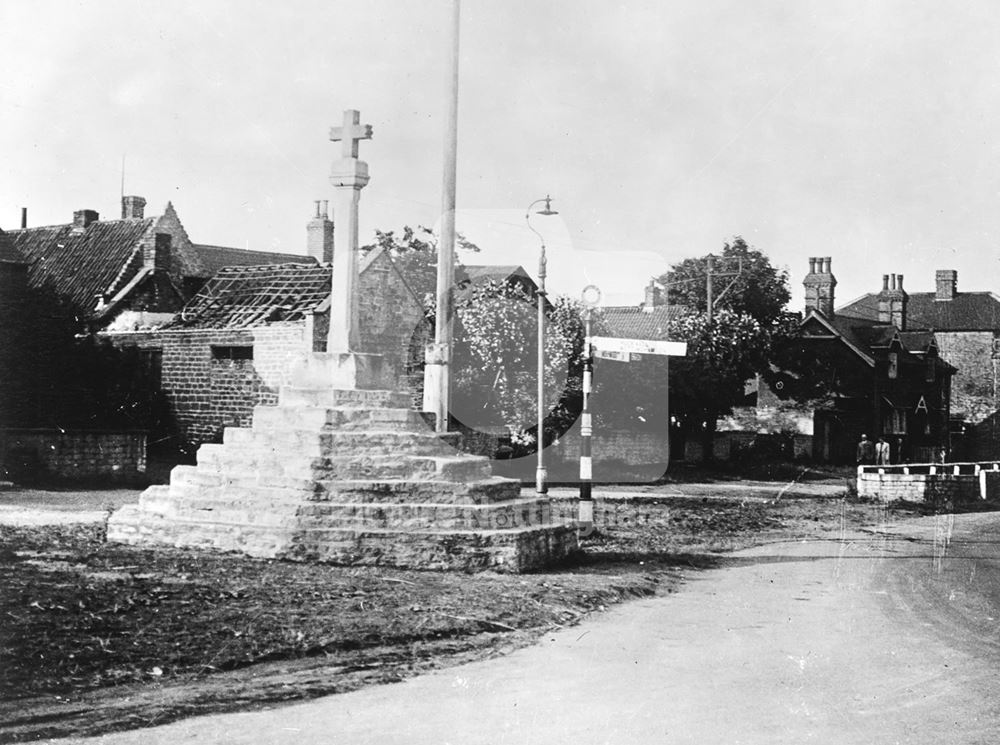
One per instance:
(24, 217)
(885, 282)
(827, 262)
(900, 284)
(812, 264)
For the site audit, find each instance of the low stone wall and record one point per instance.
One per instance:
(115, 457)
(933, 483)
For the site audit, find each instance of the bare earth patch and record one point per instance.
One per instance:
(99, 637)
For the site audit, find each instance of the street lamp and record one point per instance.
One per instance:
(541, 476)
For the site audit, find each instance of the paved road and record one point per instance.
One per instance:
(873, 638)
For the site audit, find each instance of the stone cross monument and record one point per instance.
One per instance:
(348, 176)
(343, 469)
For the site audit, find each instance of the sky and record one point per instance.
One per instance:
(863, 131)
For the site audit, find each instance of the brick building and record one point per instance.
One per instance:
(237, 341)
(132, 272)
(14, 378)
(882, 378)
(966, 327)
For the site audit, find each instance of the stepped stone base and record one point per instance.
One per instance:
(347, 476)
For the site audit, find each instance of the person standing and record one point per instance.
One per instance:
(866, 451)
(881, 452)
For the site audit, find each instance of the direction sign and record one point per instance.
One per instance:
(638, 346)
(620, 356)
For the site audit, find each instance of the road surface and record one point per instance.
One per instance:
(875, 637)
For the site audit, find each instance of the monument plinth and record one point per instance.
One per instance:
(342, 469)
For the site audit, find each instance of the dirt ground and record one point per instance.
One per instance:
(99, 637)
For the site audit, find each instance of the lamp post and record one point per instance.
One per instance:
(541, 475)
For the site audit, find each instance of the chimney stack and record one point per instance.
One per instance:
(319, 233)
(892, 301)
(83, 218)
(947, 284)
(133, 208)
(654, 296)
(820, 285)
(157, 255)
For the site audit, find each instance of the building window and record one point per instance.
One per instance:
(152, 365)
(242, 352)
(893, 365)
(895, 422)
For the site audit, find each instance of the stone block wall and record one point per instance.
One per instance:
(116, 457)
(209, 389)
(391, 317)
(615, 445)
(974, 387)
(956, 483)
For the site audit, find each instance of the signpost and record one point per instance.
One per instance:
(607, 348)
(638, 346)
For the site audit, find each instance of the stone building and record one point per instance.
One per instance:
(966, 327)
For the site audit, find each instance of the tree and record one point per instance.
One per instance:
(495, 359)
(495, 341)
(415, 253)
(721, 355)
(760, 290)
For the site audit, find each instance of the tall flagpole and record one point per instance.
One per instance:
(437, 373)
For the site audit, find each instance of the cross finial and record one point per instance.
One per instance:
(351, 133)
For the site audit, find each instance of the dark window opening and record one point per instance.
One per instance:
(232, 353)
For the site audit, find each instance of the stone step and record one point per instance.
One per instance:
(320, 418)
(521, 513)
(337, 443)
(514, 550)
(332, 397)
(398, 491)
(217, 463)
(510, 550)
(492, 490)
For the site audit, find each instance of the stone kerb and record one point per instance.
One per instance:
(930, 482)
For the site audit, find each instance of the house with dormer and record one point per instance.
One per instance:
(871, 375)
(966, 329)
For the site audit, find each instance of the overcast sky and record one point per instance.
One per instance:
(865, 131)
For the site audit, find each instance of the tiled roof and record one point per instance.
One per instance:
(216, 257)
(967, 311)
(8, 253)
(633, 322)
(79, 265)
(248, 296)
(483, 272)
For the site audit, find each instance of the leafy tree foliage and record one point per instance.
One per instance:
(495, 359)
(414, 251)
(760, 290)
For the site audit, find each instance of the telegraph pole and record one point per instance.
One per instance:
(437, 371)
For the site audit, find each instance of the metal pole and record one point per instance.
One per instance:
(586, 507)
(541, 475)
